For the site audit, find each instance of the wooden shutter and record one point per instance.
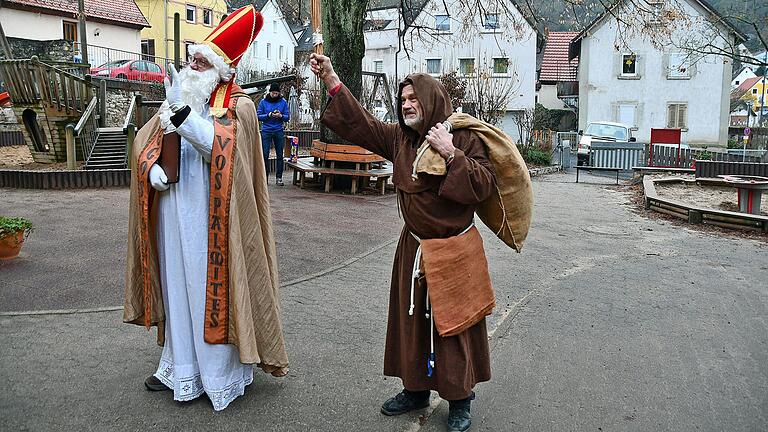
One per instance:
(682, 116)
(671, 115)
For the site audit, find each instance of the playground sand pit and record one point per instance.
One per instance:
(714, 197)
(15, 156)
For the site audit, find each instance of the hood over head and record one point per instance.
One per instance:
(433, 99)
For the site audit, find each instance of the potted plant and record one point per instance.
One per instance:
(13, 231)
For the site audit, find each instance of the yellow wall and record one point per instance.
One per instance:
(160, 21)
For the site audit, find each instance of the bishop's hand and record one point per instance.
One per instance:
(173, 89)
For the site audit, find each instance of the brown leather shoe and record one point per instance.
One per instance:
(154, 384)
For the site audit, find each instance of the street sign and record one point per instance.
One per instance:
(747, 131)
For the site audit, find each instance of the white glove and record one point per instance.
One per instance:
(173, 89)
(158, 179)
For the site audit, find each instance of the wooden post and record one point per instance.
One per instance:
(83, 31)
(102, 103)
(317, 23)
(176, 40)
(130, 135)
(140, 110)
(4, 42)
(70, 137)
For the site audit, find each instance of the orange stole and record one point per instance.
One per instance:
(217, 283)
(147, 158)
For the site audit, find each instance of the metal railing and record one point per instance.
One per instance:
(85, 133)
(99, 56)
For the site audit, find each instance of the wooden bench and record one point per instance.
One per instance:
(309, 165)
(592, 168)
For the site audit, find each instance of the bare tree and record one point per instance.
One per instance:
(488, 96)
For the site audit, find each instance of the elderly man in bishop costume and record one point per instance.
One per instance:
(201, 260)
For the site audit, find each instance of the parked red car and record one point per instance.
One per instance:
(136, 70)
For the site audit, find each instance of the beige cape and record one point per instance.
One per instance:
(254, 325)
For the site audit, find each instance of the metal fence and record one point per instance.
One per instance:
(624, 155)
(111, 60)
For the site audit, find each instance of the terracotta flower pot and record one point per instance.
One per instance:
(10, 245)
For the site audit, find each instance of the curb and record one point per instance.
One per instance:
(74, 179)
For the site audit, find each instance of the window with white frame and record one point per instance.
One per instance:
(466, 66)
(500, 66)
(629, 64)
(626, 113)
(434, 66)
(678, 66)
(491, 21)
(443, 22)
(269, 51)
(208, 17)
(677, 115)
(281, 52)
(274, 26)
(754, 91)
(378, 66)
(191, 13)
(255, 49)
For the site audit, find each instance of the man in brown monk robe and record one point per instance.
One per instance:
(432, 207)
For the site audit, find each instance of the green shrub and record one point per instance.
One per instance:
(705, 155)
(538, 157)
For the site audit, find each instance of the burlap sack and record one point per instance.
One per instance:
(460, 291)
(508, 212)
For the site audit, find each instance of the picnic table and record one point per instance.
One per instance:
(382, 171)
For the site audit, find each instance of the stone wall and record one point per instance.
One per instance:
(47, 51)
(119, 96)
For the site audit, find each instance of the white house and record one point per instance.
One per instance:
(274, 46)
(744, 74)
(500, 45)
(648, 88)
(115, 24)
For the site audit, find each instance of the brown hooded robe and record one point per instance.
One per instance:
(432, 207)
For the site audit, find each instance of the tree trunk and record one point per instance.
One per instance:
(344, 43)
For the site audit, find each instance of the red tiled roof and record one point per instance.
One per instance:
(749, 83)
(117, 11)
(555, 65)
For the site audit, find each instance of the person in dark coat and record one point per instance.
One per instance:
(273, 113)
(432, 207)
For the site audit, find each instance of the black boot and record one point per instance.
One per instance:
(154, 384)
(459, 418)
(405, 401)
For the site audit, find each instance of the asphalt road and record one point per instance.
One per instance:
(607, 321)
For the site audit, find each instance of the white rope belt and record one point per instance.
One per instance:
(415, 273)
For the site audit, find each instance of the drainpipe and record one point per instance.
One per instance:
(165, 29)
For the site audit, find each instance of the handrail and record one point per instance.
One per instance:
(86, 115)
(129, 116)
(35, 60)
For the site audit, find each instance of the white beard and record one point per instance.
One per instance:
(413, 123)
(196, 87)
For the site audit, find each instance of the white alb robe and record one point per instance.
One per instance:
(189, 365)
